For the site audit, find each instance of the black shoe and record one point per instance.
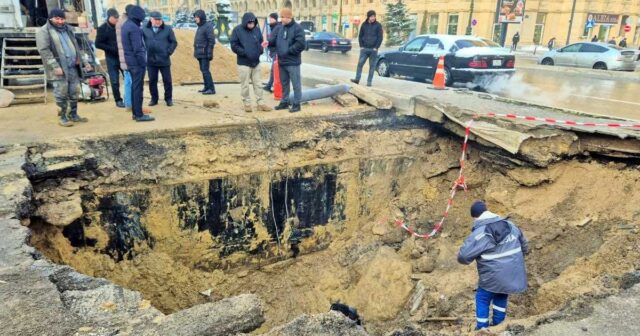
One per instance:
(145, 117)
(76, 118)
(169, 102)
(153, 103)
(294, 108)
(208, 92)
(120, 104)
(355, 81)
(282, 106)
(201, 91)
(268, 89)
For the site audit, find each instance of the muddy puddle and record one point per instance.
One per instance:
(188, 218)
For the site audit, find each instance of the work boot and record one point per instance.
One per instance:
(294, 108)
(76, 118)
(282, 106)
(248, 108)
(145, 118)
(169, 102)
(153, 103)
(64, 121)
(356, 81)
(264, 108)
(119, 104)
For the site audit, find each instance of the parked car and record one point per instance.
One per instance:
(307, 34)
(466, 58)
(187, 25)
(593, 55)
(327, 41)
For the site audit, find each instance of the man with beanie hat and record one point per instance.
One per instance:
(161, 43)
(370, 39)
(289, 43)
(498, 247)
(106, 40)
(135, 55)
(60, 54)
(273, 25)
(203, 44)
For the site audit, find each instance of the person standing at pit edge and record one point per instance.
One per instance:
(273, 25)
(370, 40)
(107, 41)
(60, 54)
(161, 43)
(246, 43)
(289, 43)
(135, 55)
(203, 44)
(498, 247)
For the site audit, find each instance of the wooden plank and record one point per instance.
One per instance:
(346, 99)
(23, 76)
(23, 87)
(370, 97)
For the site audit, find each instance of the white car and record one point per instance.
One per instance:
(599, 56)
(307, 34)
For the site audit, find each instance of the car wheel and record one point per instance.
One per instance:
(600, 66)
(547, 61)
(448, 79)
(383, 68)
(325, 48)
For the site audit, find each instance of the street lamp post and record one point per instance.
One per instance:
(340, 19)
(469, 29)
(573, 12)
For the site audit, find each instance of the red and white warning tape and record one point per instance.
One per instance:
(460, 182)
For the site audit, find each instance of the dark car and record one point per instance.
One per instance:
(326, 42)
(466, 59)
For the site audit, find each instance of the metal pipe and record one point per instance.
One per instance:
(323, 92)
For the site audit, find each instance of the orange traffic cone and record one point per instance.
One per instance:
(277, 85)
(438, 79)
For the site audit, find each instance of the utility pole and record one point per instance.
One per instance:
(340, 19)
(469, 29)
(573, 12)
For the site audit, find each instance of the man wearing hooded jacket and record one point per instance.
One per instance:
(498, 247)
(370, 40)
(135, 55)
(246, 41)
(203, 44)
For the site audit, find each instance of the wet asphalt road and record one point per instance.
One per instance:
(578, 92)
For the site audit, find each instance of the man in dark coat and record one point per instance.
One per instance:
(60, 54)
(273, 25)
(514, 41)
(107, 41)
(246, 43)
(203, 44)
(161, 43)
(498, 248)
(289, 43)
(623, 43)
(135, 55)
(370, 39)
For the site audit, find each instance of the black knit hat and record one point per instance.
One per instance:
(477, 208)
(113, 12)
(56, 12)
(274, 16)
(371, 13)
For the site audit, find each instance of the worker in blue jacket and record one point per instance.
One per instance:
(498, 247)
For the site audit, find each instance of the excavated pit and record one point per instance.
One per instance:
(192, 217)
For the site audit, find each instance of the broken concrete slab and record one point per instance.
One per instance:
(330, 323)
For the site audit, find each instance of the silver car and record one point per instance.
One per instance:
(599, 56)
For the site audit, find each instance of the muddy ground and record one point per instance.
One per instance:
(580, 216)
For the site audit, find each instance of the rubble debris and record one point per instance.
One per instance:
(378, 101)
(331, 323)
(346, 100)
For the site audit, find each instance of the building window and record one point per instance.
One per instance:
(452, 25)
(538, 31)
(433, 23)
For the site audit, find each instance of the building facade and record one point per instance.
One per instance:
(542, 19)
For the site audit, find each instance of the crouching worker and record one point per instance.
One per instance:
(498, 247)
(61, 57)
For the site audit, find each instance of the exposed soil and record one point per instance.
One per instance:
(580, 217)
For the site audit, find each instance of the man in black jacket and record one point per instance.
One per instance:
(161, 43)
(203, 45)
(135, 55)
(106, 40)
(246, 43)
(289, 43)
(370, 39)
(273, 25)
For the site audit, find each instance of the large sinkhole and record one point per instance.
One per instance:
(301, 213)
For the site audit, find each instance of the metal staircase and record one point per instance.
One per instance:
(22, 70)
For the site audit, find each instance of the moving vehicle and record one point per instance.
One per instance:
(593, 55)
(466, 59)
(327, 41)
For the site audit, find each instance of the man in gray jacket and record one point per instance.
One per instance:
(62, 62)
(498, 247)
